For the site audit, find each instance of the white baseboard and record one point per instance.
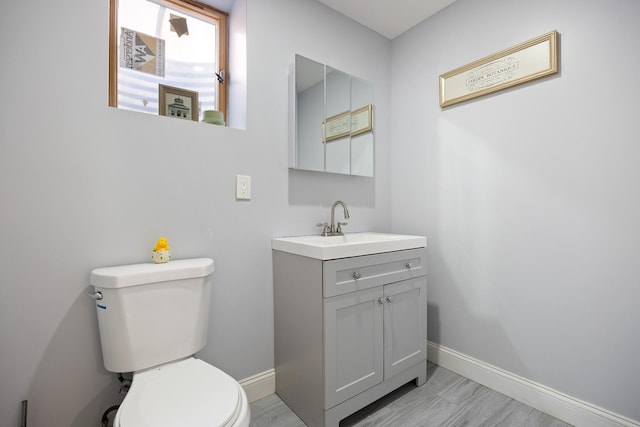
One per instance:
(259, 385)
(569, 409)
(564, 407)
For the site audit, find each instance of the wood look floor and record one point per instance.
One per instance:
(447, 399)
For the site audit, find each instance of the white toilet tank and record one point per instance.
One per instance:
(152, 314)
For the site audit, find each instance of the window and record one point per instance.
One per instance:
(177, 43)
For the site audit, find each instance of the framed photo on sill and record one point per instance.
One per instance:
(178, 103)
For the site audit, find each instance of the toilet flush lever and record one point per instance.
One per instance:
(95, 295)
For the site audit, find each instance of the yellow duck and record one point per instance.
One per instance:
(162, 245)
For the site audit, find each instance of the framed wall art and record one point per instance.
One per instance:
(337, 126)
(527, 61)
(178, 103)
(361, 120)
(348, 123)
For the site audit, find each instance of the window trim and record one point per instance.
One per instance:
(192, 7)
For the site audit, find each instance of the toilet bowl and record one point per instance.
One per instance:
(153, 318)
(185, 393)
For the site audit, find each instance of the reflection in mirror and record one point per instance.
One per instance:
(361, 139)
(337, 124)
(310, 113)
(330, 120)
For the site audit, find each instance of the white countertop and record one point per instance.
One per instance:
(349, 245)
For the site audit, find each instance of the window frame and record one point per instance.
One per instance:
(192, 7)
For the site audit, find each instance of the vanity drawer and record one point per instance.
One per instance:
(345, 275)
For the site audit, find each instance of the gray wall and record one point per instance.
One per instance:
(83, 185)
(529, 197)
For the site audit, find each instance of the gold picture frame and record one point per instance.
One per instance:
(337, 126)
(178, 103)
(348, 123)
(527, 61)
(361, 120)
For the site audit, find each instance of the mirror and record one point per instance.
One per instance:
(308, 99)
(330, 120)
(362, 127)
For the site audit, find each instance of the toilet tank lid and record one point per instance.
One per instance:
(140, 274)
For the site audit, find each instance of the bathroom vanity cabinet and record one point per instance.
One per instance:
(347, 331)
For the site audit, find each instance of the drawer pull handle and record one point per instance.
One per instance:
(389, 299)
(356, 275)
(409, 265)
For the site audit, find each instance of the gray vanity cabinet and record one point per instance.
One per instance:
(347, 331)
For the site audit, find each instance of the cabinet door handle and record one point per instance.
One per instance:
(356, 275)
(409, 265)
(389, 299)
(380, 300)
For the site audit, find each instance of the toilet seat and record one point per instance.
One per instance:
(186, 393)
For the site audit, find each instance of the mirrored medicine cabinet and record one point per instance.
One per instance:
(330, 120)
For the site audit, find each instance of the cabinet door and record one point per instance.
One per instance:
(405, 325)
(353, 344)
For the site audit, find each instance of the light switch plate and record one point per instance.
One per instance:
(243, 187)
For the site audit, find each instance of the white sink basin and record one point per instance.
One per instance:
(349, 245)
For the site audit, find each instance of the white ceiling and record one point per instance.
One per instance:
(388, 17)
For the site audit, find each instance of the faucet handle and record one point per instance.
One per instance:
(340, 224)
(325, 228)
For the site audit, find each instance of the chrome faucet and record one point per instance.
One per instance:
(333, 229)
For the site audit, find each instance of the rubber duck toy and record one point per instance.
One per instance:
(161, 252)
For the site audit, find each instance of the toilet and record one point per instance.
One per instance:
(153, 318)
